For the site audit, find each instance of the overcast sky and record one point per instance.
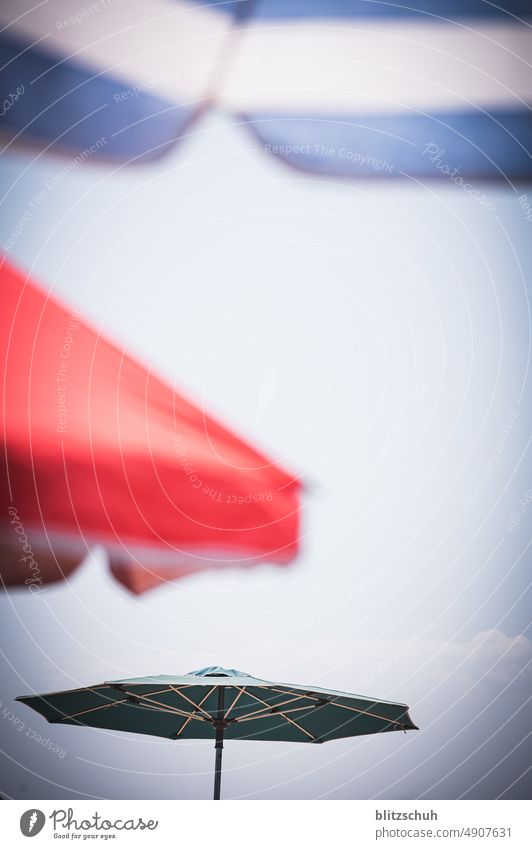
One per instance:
(373, 336)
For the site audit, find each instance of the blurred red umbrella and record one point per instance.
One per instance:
(99, 450)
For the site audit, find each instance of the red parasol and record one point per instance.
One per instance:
(97, 449)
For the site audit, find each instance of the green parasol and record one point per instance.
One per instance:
(221, 704)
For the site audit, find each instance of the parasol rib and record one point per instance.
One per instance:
(368, 713)
(196, 706)
(280, 713)
(241, 690)
(292, 693)
(271, 713)
(204, 699)
(167, 708)
(257, 713)
(101, 707)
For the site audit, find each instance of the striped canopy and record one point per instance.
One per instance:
(432, 88)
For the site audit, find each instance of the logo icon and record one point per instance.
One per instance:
(32, 822)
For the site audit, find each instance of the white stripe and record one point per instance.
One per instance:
(168, 48)
(323, 68)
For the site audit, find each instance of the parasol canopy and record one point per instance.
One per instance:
(96, 449)
(222, 704)
(431, 88)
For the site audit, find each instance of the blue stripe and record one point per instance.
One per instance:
(88, 108)
(297, 9)
(475, 144)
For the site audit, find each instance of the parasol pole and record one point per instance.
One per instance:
(218, 746)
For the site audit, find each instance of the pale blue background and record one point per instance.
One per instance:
(373, 336)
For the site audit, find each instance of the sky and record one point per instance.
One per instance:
(374, 337)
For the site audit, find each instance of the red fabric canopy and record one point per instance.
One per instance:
(99, 450)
